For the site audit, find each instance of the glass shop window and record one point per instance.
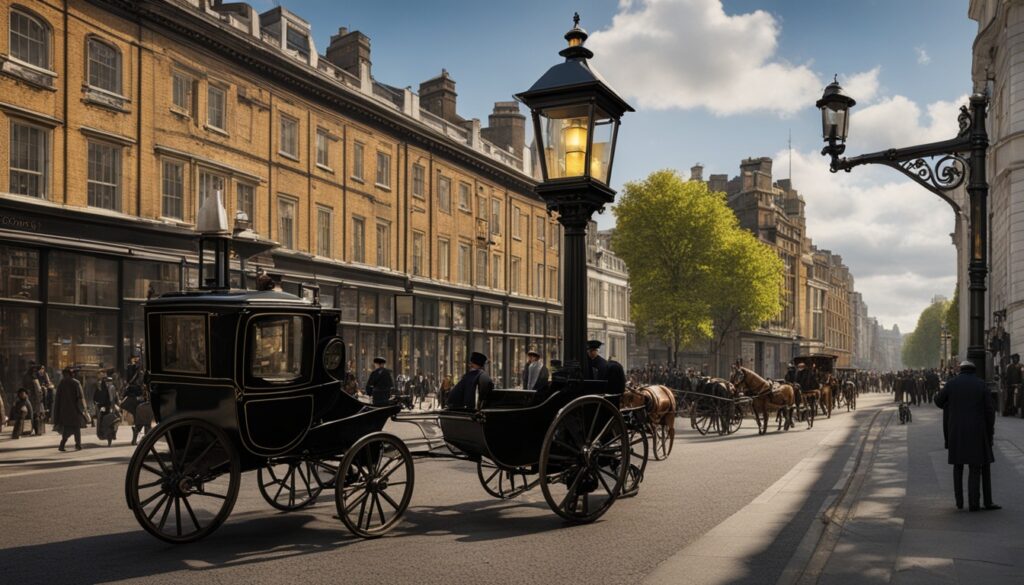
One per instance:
(183, 343)
(276, 347)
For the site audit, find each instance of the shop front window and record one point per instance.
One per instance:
(76, 279)
(424, 354)
(444, 356)
(444, 314)
(349, 303)
(426, 312)
(17, 347)
(367, 307)
(86, 340)
(386, 309)
(19, 274)
(459, 356)
(147, 280)
(459, 315)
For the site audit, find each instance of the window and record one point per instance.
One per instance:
(552, 283)
(286, 222)
(417, 254)
(417, 181)
(181, 92)
(209, 184)
(553, 237)
(104, 176)
(296, 40)
(538, 281)
(481, 207)
(246, 197)
(444, 194)
(173, 189)
(289, 136)
(277, 348)
(495, 216)
(357, 161)
(19, 274)
(77, 279)
(384, 244)
(517, 231)
(323, 149)
(30, 40)
(495, 271)
(540, 229)
(216, 107)
(358, 239)
(183, 347)
(383, 169)
(464, 202)
(29, 162)
(444, 259)
(465, 258)
(481, 267)
(324, 219)
(513, 274)
(104, 66)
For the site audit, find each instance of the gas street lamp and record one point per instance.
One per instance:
(941, 167)
(576, 121)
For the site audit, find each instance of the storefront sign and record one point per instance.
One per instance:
(18, 223)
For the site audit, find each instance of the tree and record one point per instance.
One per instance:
(922, 347)
(690, 263)
(952, 320)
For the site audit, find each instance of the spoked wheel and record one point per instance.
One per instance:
(183, 480)
(702, 415)
(374, 485)
(663, 437)
(288, 484)
(325, 472)
(639, 454)
(501, 482)
(584, 459)
(735, 420)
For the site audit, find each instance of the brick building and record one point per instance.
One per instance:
(121, 116)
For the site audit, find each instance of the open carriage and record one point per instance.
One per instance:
(573, 441)
(716, 407)
(252, 381)
(825, 365)
(848, 388)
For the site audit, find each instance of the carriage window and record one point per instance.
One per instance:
(183, 347)
(277, 348)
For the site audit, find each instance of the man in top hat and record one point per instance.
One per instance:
(535, 375)
(380, 383)
(968, 427)
(1014, 378)
(473, 389)
(597, 368)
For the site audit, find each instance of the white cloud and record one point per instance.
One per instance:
(923, 58)
(862, 86)
(897, 121)
(689, 54)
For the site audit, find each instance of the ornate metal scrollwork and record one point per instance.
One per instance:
(965, 121)
(945, 174)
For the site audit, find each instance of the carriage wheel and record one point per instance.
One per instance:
(288, 484)
(584, 459)
(639, 454)
(325, 472)
(735, 420)
(501, 482)
(376, 478)
(187, 465)
(663, 437)
(702, 415)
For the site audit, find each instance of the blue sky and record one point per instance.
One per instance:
(705, 91)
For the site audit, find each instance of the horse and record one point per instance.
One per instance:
(850, 395)
(660, 402)
(828, 389)
(766, 395)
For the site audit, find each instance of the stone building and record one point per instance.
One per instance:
(120, 117)
(608, 313)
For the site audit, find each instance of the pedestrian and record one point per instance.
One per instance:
(69, 411)
(597, 366)
(1014, 378)
(130, 406)
(134, 375)
(473, 390)
(143, 418)
(21, 412)
(36, 396)
(46, 386)
(105, 399)
(444, 389)
(351, 387)
(3, 407)
(968, 425)
(380, 383)
(419, 388)
(535, 375)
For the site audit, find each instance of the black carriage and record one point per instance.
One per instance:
(716, 407)
(848, 388)
(252, 381)
(826, 367)
(572, 440)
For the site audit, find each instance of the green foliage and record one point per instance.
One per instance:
(694, 273)
(952, 320)
(922, 347)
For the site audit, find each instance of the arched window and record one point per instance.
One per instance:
(30, 39)
(104, 66)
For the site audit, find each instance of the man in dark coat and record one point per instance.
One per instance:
(806, 378)
(473, 389)
(37, 396)
(21, 411)
(535, 375)
(134, 374)
(968, 424)
(380, 383)
(1014, 378)
(597, 367)
(69, 409)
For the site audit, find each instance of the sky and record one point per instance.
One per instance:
(716, 81)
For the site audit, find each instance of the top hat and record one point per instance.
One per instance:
(594, 344)
(477, 358)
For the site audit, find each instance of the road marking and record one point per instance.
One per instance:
(51, 489)
(70, 468)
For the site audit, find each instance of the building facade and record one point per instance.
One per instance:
(608, 313)
(120, 118)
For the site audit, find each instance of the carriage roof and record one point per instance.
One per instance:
(825, 362)
(261, 298)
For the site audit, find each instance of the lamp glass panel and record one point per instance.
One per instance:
(602, 149)
(834, 122)
(564, 139)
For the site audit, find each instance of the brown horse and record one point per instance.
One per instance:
(766, 396)
(829, 389)
(661, 411)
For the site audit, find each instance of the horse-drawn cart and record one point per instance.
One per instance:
(824, 365)
(716, 406)
(251, 380)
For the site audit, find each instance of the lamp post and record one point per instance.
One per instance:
(945, 337)
(940, 167)
(575, 122)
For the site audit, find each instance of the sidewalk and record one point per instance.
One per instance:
(902, 526)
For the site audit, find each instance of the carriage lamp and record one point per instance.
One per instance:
(214, 239)
(942, 168)
(575, 125)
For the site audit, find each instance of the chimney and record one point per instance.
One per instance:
(437, 96)
(349, 50)
(760, 172)
(718, 183)
(697, 172)
(506, 127)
